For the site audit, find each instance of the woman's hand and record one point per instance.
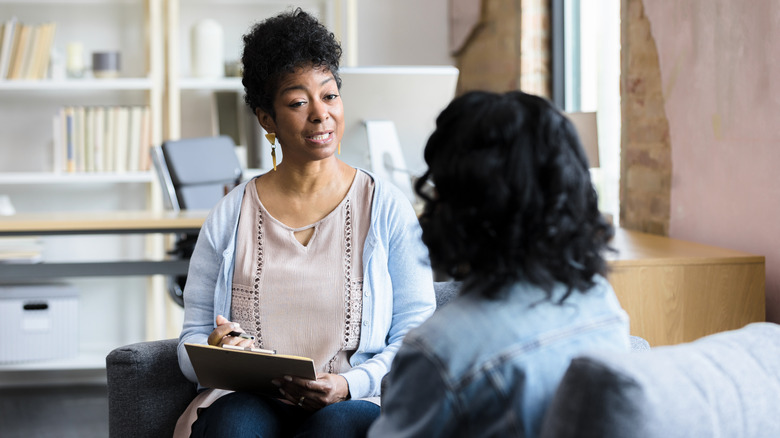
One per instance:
(220, 335)
(313, 394)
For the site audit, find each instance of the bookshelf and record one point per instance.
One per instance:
(40, 178)
(43, 86)
(133, 28)
(124, 308)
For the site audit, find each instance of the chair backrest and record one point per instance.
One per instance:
(195, 173)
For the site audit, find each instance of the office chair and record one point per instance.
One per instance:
(194, 174)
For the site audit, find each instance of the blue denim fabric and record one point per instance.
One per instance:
(242, 414)
(489, 368)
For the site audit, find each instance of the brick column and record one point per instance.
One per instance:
(646, 167)
(535, 47)
(508, 49)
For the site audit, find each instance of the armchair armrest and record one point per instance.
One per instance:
(146, 390)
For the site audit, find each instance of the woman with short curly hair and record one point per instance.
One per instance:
(511, 212)
(313, 258)
(280, 45)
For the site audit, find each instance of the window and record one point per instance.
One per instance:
(586, 77)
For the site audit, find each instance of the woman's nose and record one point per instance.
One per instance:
(319, 112)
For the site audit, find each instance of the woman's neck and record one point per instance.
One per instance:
(312, 179)
(301, 196)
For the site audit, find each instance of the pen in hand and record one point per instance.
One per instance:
(241, 335)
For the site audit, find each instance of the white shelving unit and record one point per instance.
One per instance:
(47, 85)
(134, 28)
(113, 311)
(38, 178)
(153, 39)
(223, 84)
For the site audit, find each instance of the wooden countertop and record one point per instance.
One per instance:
(636, 248)
(104, 222)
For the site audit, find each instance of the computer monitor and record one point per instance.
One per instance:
(409, 97)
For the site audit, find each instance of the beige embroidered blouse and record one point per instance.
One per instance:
(303, 300)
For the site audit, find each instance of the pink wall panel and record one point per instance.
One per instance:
(720, 66)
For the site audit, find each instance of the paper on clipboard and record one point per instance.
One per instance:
(240, 370)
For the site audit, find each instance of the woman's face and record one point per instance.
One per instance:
(309, 115)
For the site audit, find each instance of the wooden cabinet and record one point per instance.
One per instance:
(677, 291)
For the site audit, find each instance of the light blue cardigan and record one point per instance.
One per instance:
(397, 288)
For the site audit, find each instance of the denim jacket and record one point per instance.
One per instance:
(488, 368)
(397, 289)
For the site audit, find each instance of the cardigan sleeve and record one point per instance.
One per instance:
(206, 276)
(400, 282)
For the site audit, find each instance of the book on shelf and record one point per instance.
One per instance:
(121, 139)
(21, 41)
(78, 139)
(102, 139)
(146, 139)
(21, 250)
(25, 50)
(29, 52)
(109, 148)
(10, 31)
(89, 139)
(41, 51)
(134, 139)
(70, 149)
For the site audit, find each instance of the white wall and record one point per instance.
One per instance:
(403, 32)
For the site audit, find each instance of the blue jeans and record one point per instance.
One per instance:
(242, 414)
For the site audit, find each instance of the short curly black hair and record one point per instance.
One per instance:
(279, 45)
(512, 197)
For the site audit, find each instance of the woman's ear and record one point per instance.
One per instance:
(266, 121)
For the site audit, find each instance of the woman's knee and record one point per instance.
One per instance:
(350, 418)
(238, 415)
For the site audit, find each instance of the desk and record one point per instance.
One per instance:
(677, 291)
(92, 350)
(674, 291)
(112, 222)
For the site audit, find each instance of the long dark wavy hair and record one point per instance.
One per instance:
(279, 45)
(509, 197)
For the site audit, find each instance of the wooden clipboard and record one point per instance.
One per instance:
(241, 370)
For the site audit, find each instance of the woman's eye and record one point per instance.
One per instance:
(297, 104)
(331, 96)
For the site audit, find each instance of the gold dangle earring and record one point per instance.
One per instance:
(339, 148)
(272, 139)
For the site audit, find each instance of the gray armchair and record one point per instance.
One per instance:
(147, 392)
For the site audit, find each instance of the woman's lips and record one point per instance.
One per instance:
(320, 137)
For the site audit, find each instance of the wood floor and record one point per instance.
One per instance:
(61, 412)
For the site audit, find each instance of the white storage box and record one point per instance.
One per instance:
(38, 322)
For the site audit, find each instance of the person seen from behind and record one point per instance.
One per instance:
(512, 214)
